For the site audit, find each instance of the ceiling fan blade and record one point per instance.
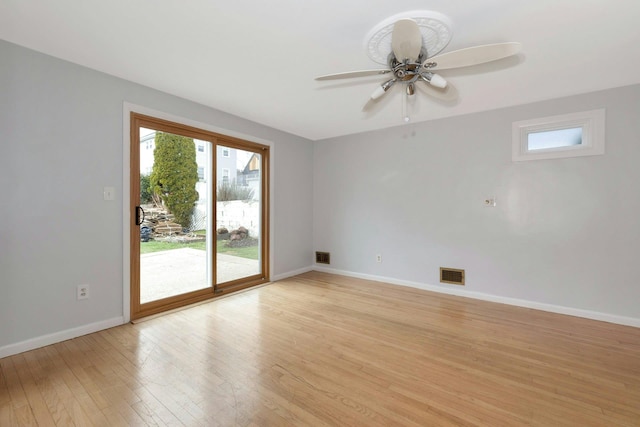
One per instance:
(472, 56)
(351, 74)
(406, 40)
(447, 95)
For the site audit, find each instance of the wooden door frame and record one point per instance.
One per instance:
(160, 121)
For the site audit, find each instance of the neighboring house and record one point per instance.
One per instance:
(226, 159)
(147, 145)
(250, 176)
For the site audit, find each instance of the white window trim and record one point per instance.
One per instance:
(593, 135)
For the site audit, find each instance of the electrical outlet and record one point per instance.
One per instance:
(379, 258)
(490, 202)
(82, 292)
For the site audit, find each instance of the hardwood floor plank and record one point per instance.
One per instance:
(15, 391)
(20, 416)
(40, 367)
(5, 397)
(36, 402)
(78, 403)
(324, 350)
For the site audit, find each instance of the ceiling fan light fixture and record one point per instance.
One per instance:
(435, 29)
(435, 80)
(380, 90)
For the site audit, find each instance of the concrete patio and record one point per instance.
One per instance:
(168, 273)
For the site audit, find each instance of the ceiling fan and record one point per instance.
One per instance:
(410, 64)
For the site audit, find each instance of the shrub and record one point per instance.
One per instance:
(146, 195)
(227, 192)
(175, 174)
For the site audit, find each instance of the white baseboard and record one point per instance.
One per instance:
(56, 337)
(33, 343)
(587, 314)
(291, 273)
(42, 341)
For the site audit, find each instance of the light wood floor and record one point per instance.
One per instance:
(320, 349)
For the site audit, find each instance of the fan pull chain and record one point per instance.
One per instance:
(405, 107)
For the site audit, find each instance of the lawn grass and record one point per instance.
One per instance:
(250, 252)
(155, 246)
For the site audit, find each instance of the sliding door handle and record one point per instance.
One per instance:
(139, 218)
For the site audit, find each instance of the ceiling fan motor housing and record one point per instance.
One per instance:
(435, 28)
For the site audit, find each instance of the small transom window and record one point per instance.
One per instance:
(568, 135)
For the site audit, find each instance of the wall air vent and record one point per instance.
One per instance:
(323, 258)
(452, 275)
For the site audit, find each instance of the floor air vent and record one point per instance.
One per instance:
(452, 275)
(323, 258)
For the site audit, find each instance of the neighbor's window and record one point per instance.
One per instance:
(225, 152)
(568, 135)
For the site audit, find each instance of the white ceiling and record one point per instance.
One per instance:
(258, 59)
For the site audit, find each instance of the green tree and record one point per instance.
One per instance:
(175, 174)
(145, 189)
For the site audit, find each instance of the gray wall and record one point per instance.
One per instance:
(61, 139)
(565, 232)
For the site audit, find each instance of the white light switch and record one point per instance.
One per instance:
(109, 193)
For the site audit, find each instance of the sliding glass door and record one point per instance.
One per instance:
(238, 231)
(199, 206)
